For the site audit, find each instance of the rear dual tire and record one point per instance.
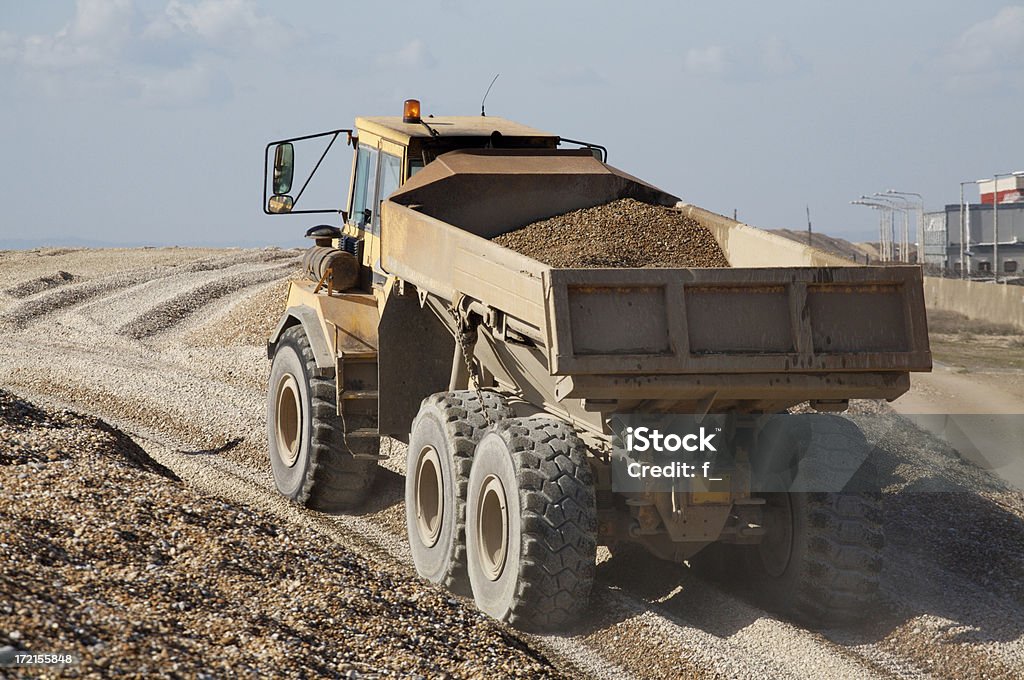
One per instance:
(441, 444)
(531, 524)
(501, 508)
(821, 558)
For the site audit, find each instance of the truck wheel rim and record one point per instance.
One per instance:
(289, 419)
(429, 497)
(777, 545)
(492, 528)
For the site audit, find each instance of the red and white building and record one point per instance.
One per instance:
(1009, 190)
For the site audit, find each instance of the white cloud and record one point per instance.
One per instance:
(414, 54)
(96, 31)
(989, 53)
(777, 59)
(771, 59)
(9, 45)
(706, 61)
(172, 57)
(196, 82)
(101, 20)
(219, 24)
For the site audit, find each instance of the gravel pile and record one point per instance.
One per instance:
(104, 554)
(248, 323)
(176, 309)
(77, 293)
(623, 233)
(72, 295)
(41, 283)
(271, 254)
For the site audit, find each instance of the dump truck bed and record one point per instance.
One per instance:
(781, 308)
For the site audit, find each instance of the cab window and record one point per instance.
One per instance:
(390, 179)
(365, 185)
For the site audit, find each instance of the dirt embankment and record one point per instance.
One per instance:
(107, 555)
(623, 233)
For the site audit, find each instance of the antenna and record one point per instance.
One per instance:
(487, 93)
(809, 232)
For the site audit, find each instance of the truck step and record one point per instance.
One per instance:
(363, 432)
(356, 357)
(359, 394)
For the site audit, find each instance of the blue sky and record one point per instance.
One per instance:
(144, 122)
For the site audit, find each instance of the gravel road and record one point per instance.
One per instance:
(189, 392)
(107, 555)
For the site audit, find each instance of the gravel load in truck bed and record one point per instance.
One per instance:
(623, 233)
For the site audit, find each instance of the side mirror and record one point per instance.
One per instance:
(279, 174)
(284, 167)
(280, 204)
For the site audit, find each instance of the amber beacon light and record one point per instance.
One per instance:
(411, 111)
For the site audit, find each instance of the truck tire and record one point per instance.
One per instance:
(311, 462)
(441, 443)
(822, 556)
(532, 523)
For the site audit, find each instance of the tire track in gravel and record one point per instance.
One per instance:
(113, 310)
(41, 283)
(76, 294)
(178, 308)
(71, 296)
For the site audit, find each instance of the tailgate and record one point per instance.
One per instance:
(756, 320)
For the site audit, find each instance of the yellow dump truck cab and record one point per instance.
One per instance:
(389, 151)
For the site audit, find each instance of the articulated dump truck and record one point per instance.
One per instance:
(505, 376)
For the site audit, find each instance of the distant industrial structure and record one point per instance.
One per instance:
(894, 236)
(979, 240)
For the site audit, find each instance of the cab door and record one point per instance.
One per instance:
(387, 161)
(364, 185)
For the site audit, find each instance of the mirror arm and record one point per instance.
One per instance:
(315, 168)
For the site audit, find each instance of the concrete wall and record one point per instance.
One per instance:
(976, 300)
(746, 246)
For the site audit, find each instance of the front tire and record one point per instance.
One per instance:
(309, 458)
(531, 524)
